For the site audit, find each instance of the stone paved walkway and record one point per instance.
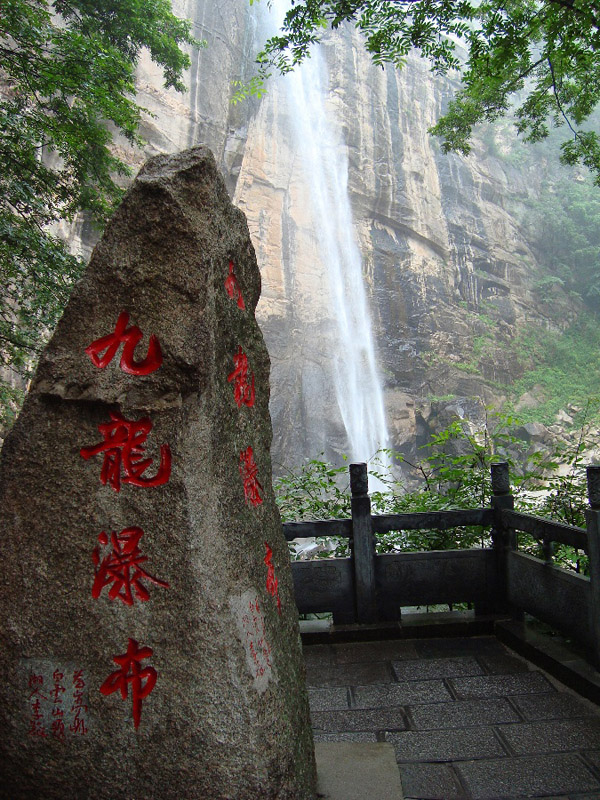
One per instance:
(468, 718)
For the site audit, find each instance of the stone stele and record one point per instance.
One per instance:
(150, 644)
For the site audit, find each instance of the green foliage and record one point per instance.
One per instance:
(318, 490)
(11, 400)
(544, 286)
(441, 398)
(564, 498)
(562, 369)
(484, 345)
(455, 474)
(67, 70)
(564, 221)
(313, 492)
(546, 53)
(469, 367)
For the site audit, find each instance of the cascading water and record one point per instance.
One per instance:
(321, 147)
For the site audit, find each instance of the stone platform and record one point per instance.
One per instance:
(467, 717)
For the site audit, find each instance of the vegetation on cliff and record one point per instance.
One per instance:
(543, 53)
(454, 473)
(66, 87)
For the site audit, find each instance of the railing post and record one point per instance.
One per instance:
(363, 545)
(503, 538)
(592, 519)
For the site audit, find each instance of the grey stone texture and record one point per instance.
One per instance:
(356, 771)
(460, 646)
(505, 734)
(554, 736)
(444, 746)
(400, 694)
(502, 664)
(347, 736)
(350, 673)
(460, 714)
(377, 719)
(436, 668)
(375, 651)
(594, 757)
(336, 698)
(430, 782)
(500, 685)
(221, 700)
(552, 706)
(526, 777)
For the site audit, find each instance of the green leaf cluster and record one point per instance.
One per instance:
(542, 54)
(561, 369)
(67, 84)
(317, 490)
(455, 474)
(564, 220)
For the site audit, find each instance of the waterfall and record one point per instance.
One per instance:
(320, 145)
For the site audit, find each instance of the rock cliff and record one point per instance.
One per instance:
(447, 260)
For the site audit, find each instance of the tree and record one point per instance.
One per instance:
(66, 72)
(543, 54)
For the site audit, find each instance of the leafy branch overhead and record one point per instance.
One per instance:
(542, 55)
(67, 83)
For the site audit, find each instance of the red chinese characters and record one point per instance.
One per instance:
(103, 350)
(272, 582)
(121, 567)
(256, 643)
(131, 673)
(58, 709)
(243, 389)
(233, 288)
(78, 709)
(122, 448)
(36, 720)
(58, 722)
(249, 475)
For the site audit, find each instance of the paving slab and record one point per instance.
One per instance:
(331, 698)
(436, 668)
(348, 674)
(376, 719)
(463, 743)
(526, 777)
(395, 649)
(399, 694)
(430, 782)
(553, 705)
(500, 685)
(552, 737)
(318, 655)
(357, 771)
(460, 646)
(502, 663)
(347, 736)
(462, 714)
(593, 757)
(503, 733)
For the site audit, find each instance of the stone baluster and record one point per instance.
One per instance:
(363, 545)
(592, 517)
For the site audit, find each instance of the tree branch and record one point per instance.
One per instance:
(570, 5)
(557, 98)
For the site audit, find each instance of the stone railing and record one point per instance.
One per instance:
(499, 579)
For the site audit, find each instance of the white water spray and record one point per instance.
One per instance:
(322, 149)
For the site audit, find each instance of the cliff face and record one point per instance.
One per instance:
(446, 258)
